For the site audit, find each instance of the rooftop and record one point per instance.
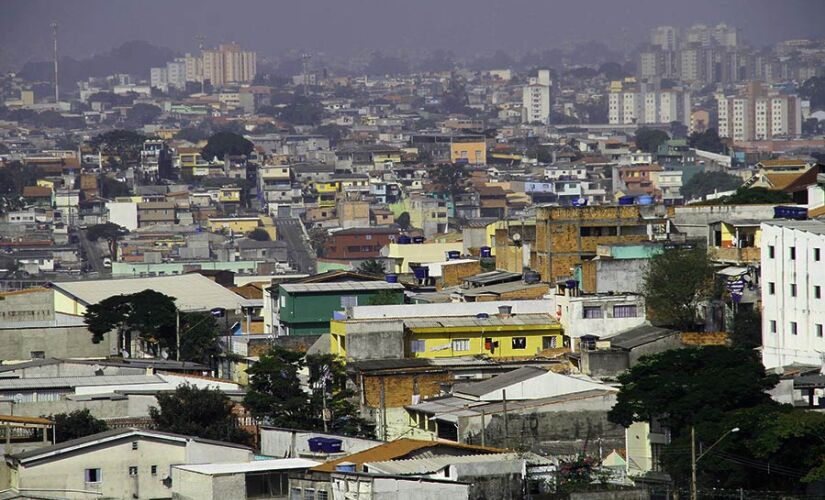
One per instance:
(472, 321)
(254, 466)
(500, 382)
(347, 286)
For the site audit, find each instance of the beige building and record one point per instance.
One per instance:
(122, 463)
(229, 64)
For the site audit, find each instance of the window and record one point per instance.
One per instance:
(793, 289)
(417, 346)
(594, 312)
(794, 330)
(773, 326)
(793, 253)
(816, 254)
(134, 445)
(817, 292)
(519, 342)
(771, 288)
(349, 301)
(309, 494)
(154, 470)
(549, 342)
(819, 330)
(461, 344)
(295, 494)
(133, 470)
(625, 311)
(321, 495)
(93, 476)
(37, 354)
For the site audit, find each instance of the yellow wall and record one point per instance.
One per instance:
(229, 195)
(473, 152)
(67, 305)
(236, 225)
(423, 253)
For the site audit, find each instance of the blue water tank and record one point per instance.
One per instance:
(324, 445)
(626, 200)
(482, 316)
(486, 252)
(418, 240)
(404, 240)
(421, 272)
(645, 199)
(453, 255)
(392, 278)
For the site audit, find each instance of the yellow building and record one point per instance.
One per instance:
(422, 253)
(229, 195)
(497, 336)
(472, 151)
(240, 225)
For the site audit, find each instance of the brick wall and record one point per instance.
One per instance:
(454, 274)
(399, 388)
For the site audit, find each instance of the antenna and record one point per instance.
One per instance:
(305, 68)
(56, 84)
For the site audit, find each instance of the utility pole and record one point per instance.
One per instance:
(56, 84)
(692, 463)
(200, 39)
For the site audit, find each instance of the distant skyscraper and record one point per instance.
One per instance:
(665, 37)
(642, 105)
(229, 64)
(535, 100)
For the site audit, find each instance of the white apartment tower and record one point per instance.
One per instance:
(637, 104)
(535, 99)
(225, 65)
(757, 114)
(793, 284)
(665, 37)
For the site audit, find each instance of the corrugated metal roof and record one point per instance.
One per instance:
(472, 321)
(347, 286)
(43, 382)
(500, 381)
(254, 466)
(193, 292)
(434, 464)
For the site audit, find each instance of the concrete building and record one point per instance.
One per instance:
(228, 64)
(121, 463)
(637, 103)
(220, 481)
(793, 306)
(535, 101)
(757, 113)
(665, 37)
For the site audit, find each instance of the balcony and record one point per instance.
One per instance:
(746, 255)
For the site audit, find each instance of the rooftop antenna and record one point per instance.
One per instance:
(200, 39)
(56, 85)
(305, 68)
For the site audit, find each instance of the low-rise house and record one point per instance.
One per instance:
(359, 243)
(121, 463)
(244, 480)
(404, 257)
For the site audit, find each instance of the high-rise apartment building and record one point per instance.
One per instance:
(172, 75)
(665, 37)
(535, 100)
(229, 64)
(642, 104)
(758, 113)
(793, 284)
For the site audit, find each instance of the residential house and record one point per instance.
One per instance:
(245, 480)
(359, 243)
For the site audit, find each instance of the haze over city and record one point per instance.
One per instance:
(420, 250)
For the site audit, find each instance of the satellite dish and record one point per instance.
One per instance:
(124, 353)
(516, 236)
(18, 398)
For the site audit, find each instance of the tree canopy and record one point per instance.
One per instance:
(206, 413)
(226, 143)
(707, 141)
(675, 283)
(449, 179)
(704, 183)
(258, 234)
(648, 140)
(150, 314)
(371, 266)
(302, 111)
(141, 114)
(814, 89)
(76, 424)
(403, 220)
(754, 196)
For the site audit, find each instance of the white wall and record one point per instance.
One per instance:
(123, 214)
(783, 347)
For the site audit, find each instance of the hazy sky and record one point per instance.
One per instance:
(344, 26)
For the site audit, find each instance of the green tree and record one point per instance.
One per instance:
(150, 314)
(813, 89)
(328, 382)
(403, 220)
(77, 424)
(648, 140)
(258, 234)
(141, 114)
(683, 387)
(191, 134)
(449, 179)
(206, 413)
(755, 196)
(112, 188)
(226, 143)
(123, 146)
(199, 333)
(332, 132)
(108, 231)
(541, 153)
(704, 183)
(747, 329)
(371, 266)
(675, 283)
(707, 141)
(274, 393)
(302, 111)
